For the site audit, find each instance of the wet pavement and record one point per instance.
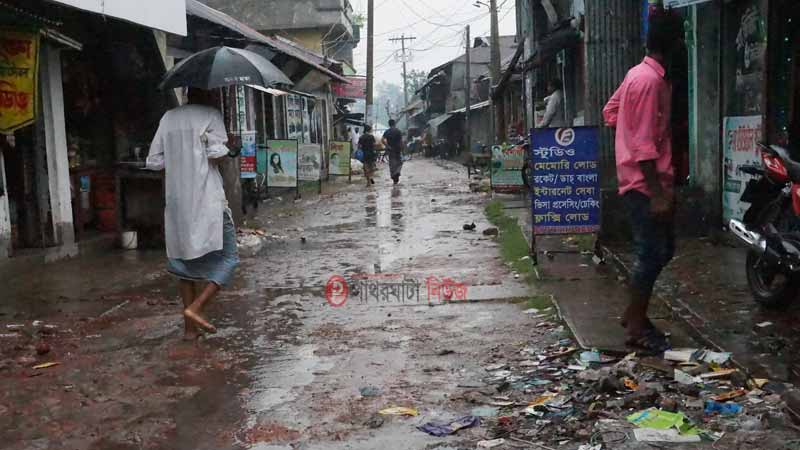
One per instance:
(591, 297)
(705, 287)
(288, 370)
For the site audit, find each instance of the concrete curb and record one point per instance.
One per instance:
(675, 305)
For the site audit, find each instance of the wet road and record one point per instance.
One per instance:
(287, 368)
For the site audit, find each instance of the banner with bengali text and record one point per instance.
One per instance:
(507, 164)
(19, 67)
(339, 158)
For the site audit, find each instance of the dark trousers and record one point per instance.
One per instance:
(653, 241)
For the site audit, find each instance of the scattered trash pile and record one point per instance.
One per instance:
(26, 347)
(561, 397)
(250, 240)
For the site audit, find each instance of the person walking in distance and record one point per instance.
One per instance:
(367, 145)
(200, 235)
(354, 137)
(640, 112)
(393, 140)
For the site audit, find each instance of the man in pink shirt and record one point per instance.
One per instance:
(640, 111)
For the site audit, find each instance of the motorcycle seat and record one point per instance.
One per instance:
(792, 166)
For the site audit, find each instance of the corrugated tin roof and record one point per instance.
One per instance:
(283, 45)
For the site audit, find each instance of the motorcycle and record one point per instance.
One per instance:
(771, 227)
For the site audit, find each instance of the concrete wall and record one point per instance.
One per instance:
(706, 151)
(308, 38)
(277, 15)
(5, 215)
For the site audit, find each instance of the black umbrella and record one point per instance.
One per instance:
(224, 66)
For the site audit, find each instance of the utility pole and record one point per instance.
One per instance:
(404, 58)
(370, 60)
(468, 96)
(494, 70)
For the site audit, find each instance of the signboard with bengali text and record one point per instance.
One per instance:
(282, 163)
(356, 90)
(739, 147)
(339, 157)
(310, 164)
(247, 165)
(19, 68)
(507, 163)
(565, 180)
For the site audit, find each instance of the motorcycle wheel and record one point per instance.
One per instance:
(770, 287)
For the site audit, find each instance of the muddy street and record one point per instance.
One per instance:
(438, 341)
(287, 369)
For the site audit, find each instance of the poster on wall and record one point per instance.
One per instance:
(751, 50)
(247, 165)
(310, 165)
(339, 157)
(507, 163)
(282, 163)
(740, 147)
(18, 78)
(566, 180)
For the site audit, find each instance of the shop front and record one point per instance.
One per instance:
(91, 107)
(112, 110)
(35, 210)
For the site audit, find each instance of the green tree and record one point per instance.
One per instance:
(388, 96)
(415, 80)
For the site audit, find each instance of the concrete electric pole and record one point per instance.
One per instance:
(468, 95)
(494, 69)
(370, 61)
(404, 57)
(494, 66)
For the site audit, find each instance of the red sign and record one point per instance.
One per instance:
(357, 89)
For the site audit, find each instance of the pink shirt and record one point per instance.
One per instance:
(640, 111)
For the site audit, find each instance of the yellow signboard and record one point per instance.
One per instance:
(19, 58)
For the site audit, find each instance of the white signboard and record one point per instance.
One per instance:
(682, 3)
(740, 147)
(309, 167)
(165, 15)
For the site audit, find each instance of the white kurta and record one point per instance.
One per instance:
(188, 139)
(554, 114)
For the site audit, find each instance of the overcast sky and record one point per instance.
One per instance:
(438, 26)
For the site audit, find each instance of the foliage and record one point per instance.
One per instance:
(415, 80)
(513, 245)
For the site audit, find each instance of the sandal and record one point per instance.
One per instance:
(649, 323)
(652, 341)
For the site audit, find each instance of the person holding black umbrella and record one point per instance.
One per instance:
(199, 229)
(189, 143)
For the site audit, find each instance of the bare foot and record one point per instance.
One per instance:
(198, 320)
(191, 335)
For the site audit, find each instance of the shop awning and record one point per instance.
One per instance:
(197, 9)
(512, 66)
(481, 105)
(166, 15)
(550, 45)
(438, 120)
(271, 91)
